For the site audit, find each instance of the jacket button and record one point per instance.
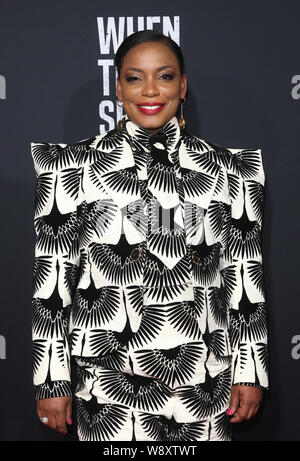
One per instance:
(195, 257)
(136, 254)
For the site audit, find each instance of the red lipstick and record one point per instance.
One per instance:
(150, 108)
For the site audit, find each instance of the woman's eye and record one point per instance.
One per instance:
(130, 78)
(164, 76)
(168, 75)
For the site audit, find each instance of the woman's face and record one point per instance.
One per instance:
(150, 74)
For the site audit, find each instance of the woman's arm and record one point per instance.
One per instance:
(55, 268)
(243, 269)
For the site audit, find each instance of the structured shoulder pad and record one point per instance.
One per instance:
(49, 156)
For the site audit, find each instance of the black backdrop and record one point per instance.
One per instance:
(242, 60)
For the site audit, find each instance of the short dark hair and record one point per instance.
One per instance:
(147, 35)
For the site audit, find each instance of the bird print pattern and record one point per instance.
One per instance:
(148, 273)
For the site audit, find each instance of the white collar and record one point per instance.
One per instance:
(169, 133)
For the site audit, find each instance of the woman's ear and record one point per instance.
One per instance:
(119, 90)
(183, 86)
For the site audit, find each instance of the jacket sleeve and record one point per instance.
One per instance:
(242, 270)
(55, 266)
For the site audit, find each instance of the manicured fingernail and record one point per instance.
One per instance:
(70, 420)
(229, 411)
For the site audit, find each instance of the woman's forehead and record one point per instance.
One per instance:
(154, 55)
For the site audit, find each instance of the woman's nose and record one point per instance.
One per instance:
(150, 88)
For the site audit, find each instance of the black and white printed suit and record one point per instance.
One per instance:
(148, 275)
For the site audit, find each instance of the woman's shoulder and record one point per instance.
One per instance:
(241, 161)
(55, 156)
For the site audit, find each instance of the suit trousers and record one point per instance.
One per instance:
(97, 417)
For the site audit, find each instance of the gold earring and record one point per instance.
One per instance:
(120, 124)
(181, 120)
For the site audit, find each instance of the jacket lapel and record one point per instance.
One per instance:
(120, 180)
(199, 174)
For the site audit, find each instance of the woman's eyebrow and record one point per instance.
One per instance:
(141, 70)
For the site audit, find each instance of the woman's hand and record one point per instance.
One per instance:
(58, 410)
(244, 402)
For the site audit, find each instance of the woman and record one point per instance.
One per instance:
(148, 270)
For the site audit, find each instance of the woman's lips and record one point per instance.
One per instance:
(150, 109)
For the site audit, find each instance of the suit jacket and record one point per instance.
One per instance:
(92, 231)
